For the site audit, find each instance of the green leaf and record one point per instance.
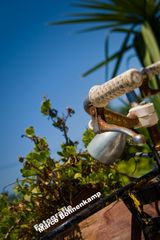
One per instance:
(102, 27)
(77, 175)
(150, 42)
(131, 7)
(125, 30)
(98, 17)
(88, 135)
(70, 172)
(27, 197)
(106, 46)
(147, 49)
(35, 190)
(41, 167)
(45, 107)
(150, 7)
(24, 226)
(121, 11)
(28, 172)
(71, 150)
(30, 131)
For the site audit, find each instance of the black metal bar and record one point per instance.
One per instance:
(155, 154)
(135, 230)
(149, 193)
(135, 207)
(77, 218)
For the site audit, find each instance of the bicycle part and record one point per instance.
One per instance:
(151, 70)
(98, 125)
(135, 200)
(154, 131)
(146, 114)
(107, 147)
(135, 229)
(150, 226)
(136, 138)
(110, 116)
(95, 207)
(155, 136)
(100, 95)
(139, 155)
(116, 118)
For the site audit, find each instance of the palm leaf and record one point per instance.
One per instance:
(122, 11)
(106, 45)
(113, 15)
(102, 27)
(92, 17)
(132, 6)
(150, 42)
(101, 6)
(142, 52)
(152, 48)
(123, 47)
(106, 16)
(150, 7)
(125, 30)
(106, 61)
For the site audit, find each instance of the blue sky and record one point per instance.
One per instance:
(39, 60)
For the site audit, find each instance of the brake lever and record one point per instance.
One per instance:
(136, 137)
(117, 123)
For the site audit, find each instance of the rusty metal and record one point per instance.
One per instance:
(92, 111)
(107, 120)
(103, 126)
(116, 118)
(147, 91)
(155, 136)
(111, 117)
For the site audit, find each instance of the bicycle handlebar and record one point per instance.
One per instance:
(151, 70)
(100, 95)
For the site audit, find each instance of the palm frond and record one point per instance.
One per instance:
(114, 6)
(102, 27)
(106, 61)
(150, 7)
(132, 6)
(125, 30)
(104, 7)
(99, 18)
(119, 16)
(150, 42)
(123, 50)
(106, 49)
(112, 11)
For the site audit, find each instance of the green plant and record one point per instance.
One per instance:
(47, 184)
(139, 21)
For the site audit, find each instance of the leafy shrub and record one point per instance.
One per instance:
(48, 184)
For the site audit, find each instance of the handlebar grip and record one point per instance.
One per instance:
(100, 95)
(151, 70)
